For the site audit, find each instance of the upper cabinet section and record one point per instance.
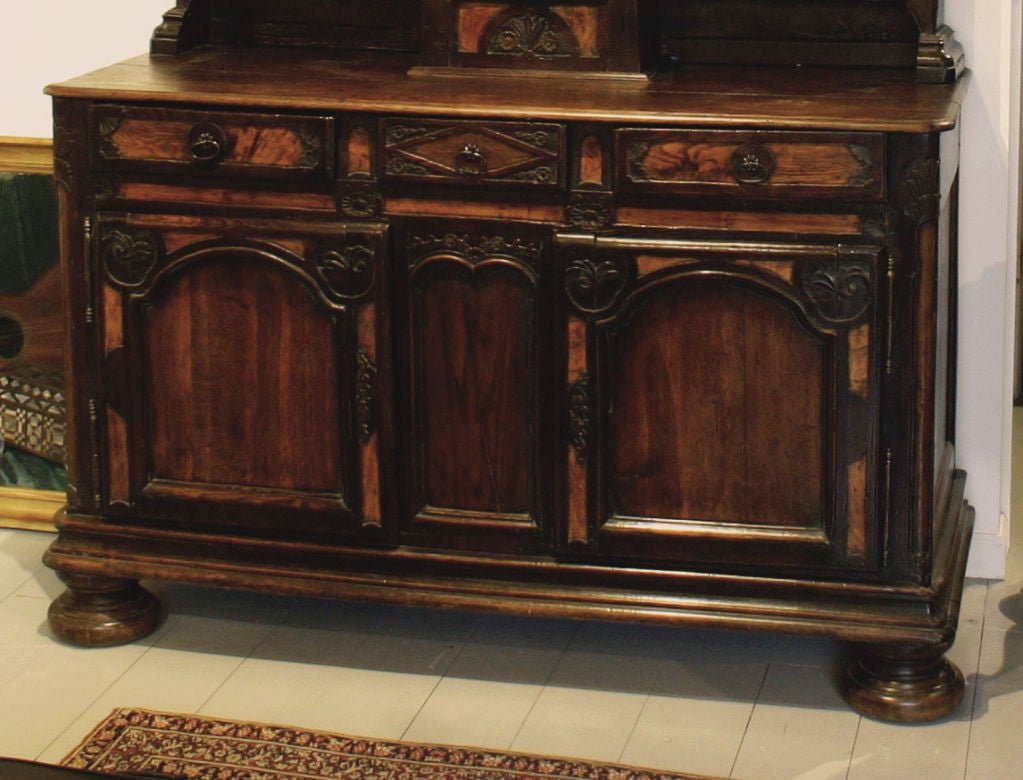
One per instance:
(605, 38)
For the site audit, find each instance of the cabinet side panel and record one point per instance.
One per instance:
(744, 440)
(243, 380)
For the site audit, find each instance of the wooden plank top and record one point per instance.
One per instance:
(326, 81)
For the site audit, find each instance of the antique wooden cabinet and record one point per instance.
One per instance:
(620, 310)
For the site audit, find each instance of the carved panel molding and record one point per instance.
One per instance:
(475, 249)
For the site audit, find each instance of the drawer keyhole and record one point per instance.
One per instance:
(470, 161)
(206, 143)
(752, 164)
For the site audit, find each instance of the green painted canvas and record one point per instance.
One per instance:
(31, 412)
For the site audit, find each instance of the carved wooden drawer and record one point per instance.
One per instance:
(751, 163)
(195, 142)
(530, 154)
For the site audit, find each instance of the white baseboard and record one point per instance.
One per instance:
(988, 553)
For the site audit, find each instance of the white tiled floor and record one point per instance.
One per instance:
(728, 704)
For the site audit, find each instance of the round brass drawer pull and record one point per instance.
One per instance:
(470, 161)
(207, 143)
(752, 164)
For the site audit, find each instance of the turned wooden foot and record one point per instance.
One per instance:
(903, 684)
(103, 611)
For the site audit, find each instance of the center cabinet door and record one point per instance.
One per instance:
(245, 363)
(473, 376)
(722, 403)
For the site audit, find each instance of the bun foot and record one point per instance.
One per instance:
(103, 611)
(903, 684)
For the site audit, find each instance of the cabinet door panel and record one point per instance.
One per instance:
(719, 353)
(245, 365)
(475, 356)
(474, 343)
(235, 397)
(723, 403)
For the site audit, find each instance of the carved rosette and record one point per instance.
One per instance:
(474, 249)
(532, 34)
(580, 415)
(841, 291)
(347, 270)
(590, 210)
(129, 255)
(361, 201)
(593, 284)
(365, 379)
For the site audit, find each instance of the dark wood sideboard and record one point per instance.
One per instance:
(611, 309)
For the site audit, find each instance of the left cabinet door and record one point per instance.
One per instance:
(243, 370)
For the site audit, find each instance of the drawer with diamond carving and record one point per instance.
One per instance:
(465, 152)
(169, 140)
(767, 164)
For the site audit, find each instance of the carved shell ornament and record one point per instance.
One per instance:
(531, 34)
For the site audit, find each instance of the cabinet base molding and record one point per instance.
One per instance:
(900, 676)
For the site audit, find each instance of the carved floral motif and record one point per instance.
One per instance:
(365, 378)
(580, 414)
(591, 210)
(347, 270)
(593, 284)
(841, 291)
(129, 256)
(473, 249)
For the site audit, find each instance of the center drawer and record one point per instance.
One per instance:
(758, 164)
(530, 154)
(170, 140)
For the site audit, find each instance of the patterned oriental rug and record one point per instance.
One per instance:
(140, 743)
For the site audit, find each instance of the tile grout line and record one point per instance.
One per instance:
(639, 715)
(975, 693)
(148, 647)
(539, 693)
(233, 672)
(433, 690)
(852, 749)
(749, 720)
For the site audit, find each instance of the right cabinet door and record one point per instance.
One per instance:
(722, 402)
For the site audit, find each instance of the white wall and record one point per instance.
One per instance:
(42, 41)
(990, 32)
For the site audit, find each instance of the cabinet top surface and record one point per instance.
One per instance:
(708, 96)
